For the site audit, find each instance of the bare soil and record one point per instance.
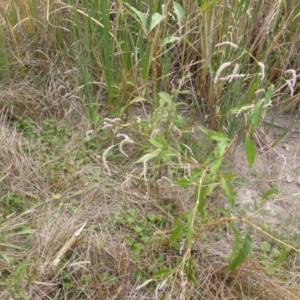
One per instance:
(275, 168)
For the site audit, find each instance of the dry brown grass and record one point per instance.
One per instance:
(30, 264)
(5, 3)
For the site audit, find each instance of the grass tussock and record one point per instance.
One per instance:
(109, 189)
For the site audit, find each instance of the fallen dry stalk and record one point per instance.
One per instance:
(67, 246)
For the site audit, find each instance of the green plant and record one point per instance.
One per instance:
(204, 178)
(138, 231)
(16, 279)
(11, 204)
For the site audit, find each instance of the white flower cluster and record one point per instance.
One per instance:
(108, 123)
(292, 81)
(234, 73)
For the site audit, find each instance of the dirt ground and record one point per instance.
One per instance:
(276, 168)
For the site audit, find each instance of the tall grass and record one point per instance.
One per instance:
(118, 50)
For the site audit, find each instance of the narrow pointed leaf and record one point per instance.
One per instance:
(221, 148)
(250, 151)
(269, 193)
(158, 143)
(215, 166)
(279, 261)
(223, 212)
(170, 40)
(243, 252)
(190, 227)
(216, 136)
(200, 193)
(149, 156)
(176, 234)
(204, 6)
(269, 94)
(267, 100)
(255, 115)
(228, 191)
(237, 240)
(191, 271)
(138, 13)
(183, 182)
(162, 273)
(138, 100)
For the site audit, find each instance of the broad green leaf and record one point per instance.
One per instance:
(155, 20)
(191, 271)
(162, 273)
(179, 11)
(138, 13)
(176, 234)
(269, 193)
(228, 191)
(183, 182)
(279, 261)
(200, 193)
(149, 156)
(236, 109)
(158, 143)
(250, 151)
(243, 252)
